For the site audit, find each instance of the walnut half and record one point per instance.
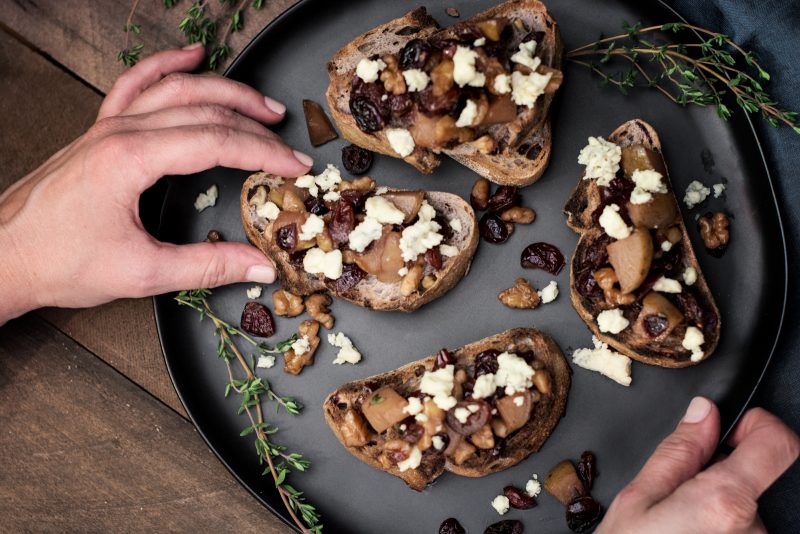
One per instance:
(286, 304)
(714, 230)
(317, 306)
(521, 296)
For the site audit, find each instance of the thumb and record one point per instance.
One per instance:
(682, 454)
(207, 265)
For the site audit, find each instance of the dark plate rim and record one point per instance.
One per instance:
(280, 512)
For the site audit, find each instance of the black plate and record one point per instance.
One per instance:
(622, 425)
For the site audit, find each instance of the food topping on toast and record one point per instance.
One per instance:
(302, 350)
(635, 272)
(348, 231)
(503, 210)
(441, 92)
(571, 487)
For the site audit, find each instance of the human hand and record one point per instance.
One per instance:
(676, 493)
(70, 231)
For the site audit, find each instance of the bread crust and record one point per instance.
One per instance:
(369, 293)
(583, 201)
(524, 145)
(521, 444)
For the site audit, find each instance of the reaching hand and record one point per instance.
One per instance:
(676, 491)
(70, 231)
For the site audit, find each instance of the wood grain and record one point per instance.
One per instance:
(84, 449)
(86, 35)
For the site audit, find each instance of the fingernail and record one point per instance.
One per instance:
(193, 46)
(698, 409)
(274, 105)
(305, 159)
(262, 274)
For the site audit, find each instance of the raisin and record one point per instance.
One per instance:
(400, 104)
(257, 320)
(655, 325)
(356, 159)
(518, 499)
(507, 526)
(583, 513)
(367, 114)
(296, 258)
(595, 255)
(433, 258)
(413, 433)
(444, 358)
(587, 469)
(286, 237)
(486, 362)
(474, 421)
(343, 220)
(355, 198)
(451, 526)
(316, 206)
(618, 192)
(543, 256)
(493, 229)
(414, 54)
(352, 274)
(587, 284)
(504, 197)
(437, 105)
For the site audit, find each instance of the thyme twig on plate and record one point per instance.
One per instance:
(278, 461)
(700, 73)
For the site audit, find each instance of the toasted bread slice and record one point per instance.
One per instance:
(523, 145)
(516, 447)
(370, 292)
(666, 352)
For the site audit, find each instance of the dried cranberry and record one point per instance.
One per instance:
(343, 220)
(447, 46)
(493, 229)
(583, 513)
(543, 256)
(507, 526)
(444, 227)
(670, 262)
(296, 258)
(535, 35)
(352, 274)
(413, 433)
(316, 206)
(587, 469)
(505, 197)
(399, 104)
(486, 362)
(396, 456)
(356, 159)
(618, 192)
(437, 105)
(286, 237)
(595, 255)
(433, 258)
(469, 34)
(444, 358)
(587, 284)
(451, 526)
(257, 320)
(355, 198)
(474, 421)
(499, 448)
(518, 499)
(367, 114)
(694, 309)
(655, 325)
(414, 54)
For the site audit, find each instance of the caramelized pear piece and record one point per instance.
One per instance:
(354, 429)
(492, 28)
(384, 408)
(501, 110)
(631, 258)
(392, 259)
(660, 212)
(515, 416)
(563, 483)
(320, 129)
(408, 202)
(658, 317)
(639, 157)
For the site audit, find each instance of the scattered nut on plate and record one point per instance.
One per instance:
(521, 296)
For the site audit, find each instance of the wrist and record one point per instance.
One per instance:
(16, 288)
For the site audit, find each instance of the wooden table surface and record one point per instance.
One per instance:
(92, 434)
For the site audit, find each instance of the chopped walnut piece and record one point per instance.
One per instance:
(479, 197)
(442, 77)
(317, 306)
(364, 183)
(484, 144)
(324, 240)
(607, 278)
(392, 77)
(521, 296)
(294, 363)
(287, 304)
(428, 281)
(714, 230)
(518, 214)
(411, 280)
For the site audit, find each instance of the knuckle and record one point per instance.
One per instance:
(216, 114)
(175, 82)
(678, 448)
(218, 134)
(728, 508)
(215, 272)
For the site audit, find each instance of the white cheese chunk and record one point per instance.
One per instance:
(438, 442)
(401, 141)
(604, 361)
(331, 196)
(421, 417)
(479, 42)
(365, 233)
(667, 285)
(500, 504)
(412, 462)
(317, 261)
(368, 69)
(518, 401)
(347, 351)
(601, 159)
(413, 407)
(533, 487)
(383, 211)
(612, 321)
(455, 224)
(513, 373)
(647, 182)
(549, 293)
(301, 346)
(462, 414)
(313, 226)
(696, 193)
(690, 276)
(502, 84)
(719, 189)
(448, 251)
(693, 340)
(524, 55)
(207, 199)
(266, 362)
(422, 235)
(416, 80)
(439, 385)
(464, 71)
(269, 210)
(254, 292)
(402, 271)
(613, 224)
(308, 181)
(526, 88)
(468, 115)
(484, 387)
(329, 179)
(666, 246)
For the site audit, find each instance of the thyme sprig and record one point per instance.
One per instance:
(699, 73)
(278, 462)
(198, 25)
